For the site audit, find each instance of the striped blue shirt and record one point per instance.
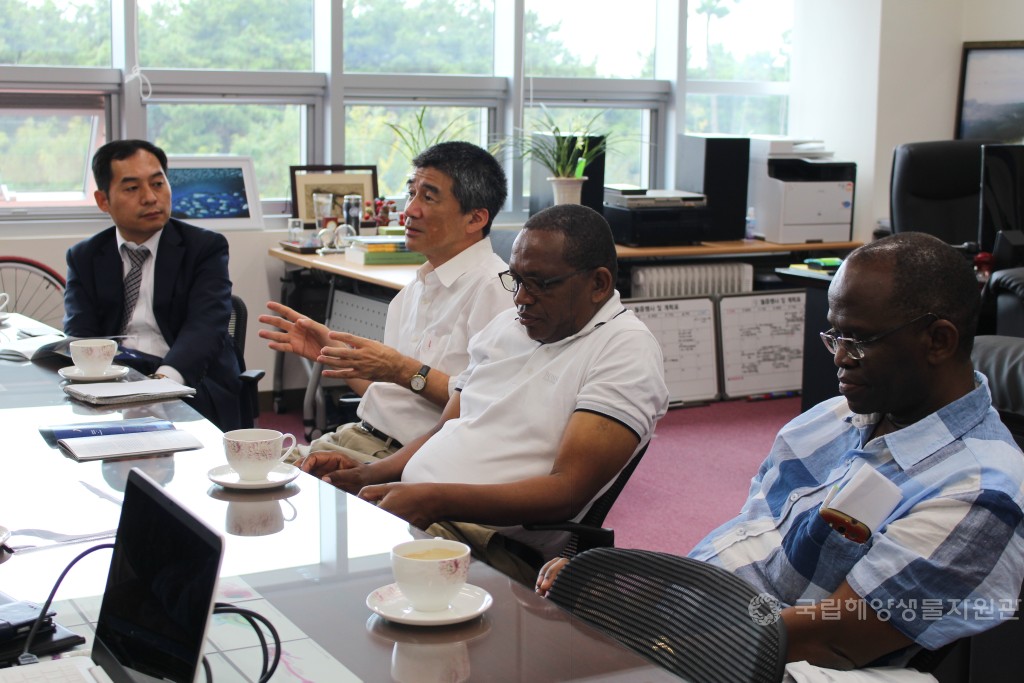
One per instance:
(947, 562)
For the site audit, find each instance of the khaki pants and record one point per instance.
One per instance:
(349, 439)
(508, 556)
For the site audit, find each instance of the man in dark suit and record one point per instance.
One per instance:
(160, 282)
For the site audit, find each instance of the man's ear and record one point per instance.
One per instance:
(102, 200)
(603, 285)
(945, 341)
(477, 220)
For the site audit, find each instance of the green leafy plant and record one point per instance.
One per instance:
(416, 138)
(565, 154)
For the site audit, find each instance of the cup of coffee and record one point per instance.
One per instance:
(93, 356)
(430, 572)
(252, 453)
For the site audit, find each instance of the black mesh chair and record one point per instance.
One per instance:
(250, 378)
(936, 188)
(694, 619)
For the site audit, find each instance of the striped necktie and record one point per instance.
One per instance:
(132, 281)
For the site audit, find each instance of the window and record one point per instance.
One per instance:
(57, 33)
(263, 78)
(270, 134)
(419, 36)
(370, 140)
(737, 66)
(267, 35)
(590, 38)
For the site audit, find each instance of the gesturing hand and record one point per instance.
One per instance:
(361, 358)
(295, 333)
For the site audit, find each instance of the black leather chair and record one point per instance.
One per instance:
(1003, 299)
(694, 619)
(250, 378)
(935, 188)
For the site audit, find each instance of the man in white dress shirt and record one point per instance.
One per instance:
(454, 193)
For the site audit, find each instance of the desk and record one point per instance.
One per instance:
(819, 370)
(310, 578)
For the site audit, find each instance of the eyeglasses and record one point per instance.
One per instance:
(533, 286)
(854, 348)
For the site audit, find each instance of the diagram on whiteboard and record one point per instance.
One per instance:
(685, 328)
(762, 338)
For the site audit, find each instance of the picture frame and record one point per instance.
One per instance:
(342, 180)
(215, 191)
(989, 104)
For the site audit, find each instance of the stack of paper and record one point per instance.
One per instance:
(109, 446)
(109, 393)
(31, 348)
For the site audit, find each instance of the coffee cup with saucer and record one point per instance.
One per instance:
(254, 460)
(93, 358)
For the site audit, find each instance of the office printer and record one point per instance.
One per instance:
(799, 195)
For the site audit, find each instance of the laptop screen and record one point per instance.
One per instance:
(160, 589)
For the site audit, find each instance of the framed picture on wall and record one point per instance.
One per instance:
(215, 192)
(339, 180)
(991, 98)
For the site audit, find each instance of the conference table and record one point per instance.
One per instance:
(304, 555)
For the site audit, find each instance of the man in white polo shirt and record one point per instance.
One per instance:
(455, 192)
(559, 395)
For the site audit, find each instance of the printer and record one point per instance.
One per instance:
(798, 193)
(656, 218)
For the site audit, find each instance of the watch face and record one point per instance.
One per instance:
(418, 382)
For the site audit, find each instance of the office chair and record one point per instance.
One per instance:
(250, 378)
(589, 532)
(694, 619)
(936, 188)
(1003, 300)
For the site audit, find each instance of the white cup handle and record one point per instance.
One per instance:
(286, 452)
(295, 513)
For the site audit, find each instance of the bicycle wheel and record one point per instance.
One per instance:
(35, 290)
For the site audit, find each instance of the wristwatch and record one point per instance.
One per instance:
(419, 381)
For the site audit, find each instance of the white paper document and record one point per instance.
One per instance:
(110, 446)
(107, 393)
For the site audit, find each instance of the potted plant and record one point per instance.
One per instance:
(565, 155)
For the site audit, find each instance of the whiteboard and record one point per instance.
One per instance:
(685, 328)
(762, 337)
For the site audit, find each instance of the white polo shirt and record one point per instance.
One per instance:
(432, 319)
(518, 396)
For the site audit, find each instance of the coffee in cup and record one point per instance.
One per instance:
(93, 356)
(252, 453)
(430, 572)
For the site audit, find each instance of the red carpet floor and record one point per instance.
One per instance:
(693, 477)
(696, 473)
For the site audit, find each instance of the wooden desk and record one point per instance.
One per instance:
(730, 248)
(392, 277)
(309, 573)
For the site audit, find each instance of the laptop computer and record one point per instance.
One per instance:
(159, 595)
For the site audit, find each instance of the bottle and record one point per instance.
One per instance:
(983, 267)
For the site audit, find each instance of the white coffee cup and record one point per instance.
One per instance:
(252, 453)
(4, 298)
(430, 572)
(93, 356)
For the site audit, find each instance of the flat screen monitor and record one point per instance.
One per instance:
(1002, 192)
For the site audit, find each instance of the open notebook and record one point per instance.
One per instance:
(158, 599)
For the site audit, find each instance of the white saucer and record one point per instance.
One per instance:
(388, 602)
(75, 375)
(229, 479)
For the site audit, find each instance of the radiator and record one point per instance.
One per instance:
(656, 282)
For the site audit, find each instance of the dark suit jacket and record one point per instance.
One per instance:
(191, 303)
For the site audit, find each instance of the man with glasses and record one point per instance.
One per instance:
(945, 558)
(455, 191)
(559, 395)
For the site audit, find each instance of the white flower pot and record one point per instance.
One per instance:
(567, 190)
